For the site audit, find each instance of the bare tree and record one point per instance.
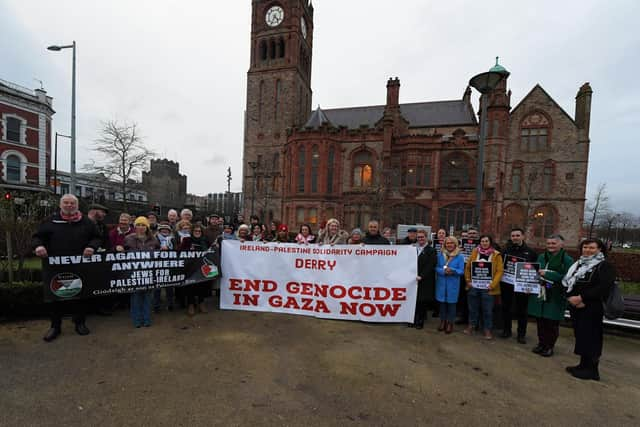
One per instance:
(124, 153)
(625, 221)
(598, 207)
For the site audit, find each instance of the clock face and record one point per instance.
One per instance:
(274, 16)
(303, 27)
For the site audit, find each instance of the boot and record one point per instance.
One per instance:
(202, 308)
(448, 328)
(191, 310)
(52, 334)
(81, 329)
(581, 365)
(589, 371)
(443, 324)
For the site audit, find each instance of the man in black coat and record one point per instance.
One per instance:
(67, 232)
(373, 236)
(516, 250)
(426, 278)
(411, 238)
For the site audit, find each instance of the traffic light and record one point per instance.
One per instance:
(7, 196)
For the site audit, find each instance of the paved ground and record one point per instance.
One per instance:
(240, 368)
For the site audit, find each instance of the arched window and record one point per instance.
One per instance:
(315, 163)
(458, 215)
(544, 221)
(411, 213)
(301, 169)
(514, 216)
(457, 171)
(263, 50)
(363, 169)
(278, 90)
(14, 170)
(534, 132)
(516, 177)
(260, 101)
(330, 169)
(272, 49)
(281, 48)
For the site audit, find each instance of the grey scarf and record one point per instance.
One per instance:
(580, 268)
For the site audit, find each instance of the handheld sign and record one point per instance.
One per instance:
(527, 278)
(509, 274)
(468, 245)
(481, 274)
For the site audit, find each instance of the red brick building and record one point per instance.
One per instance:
(25, 137)
(403, 163)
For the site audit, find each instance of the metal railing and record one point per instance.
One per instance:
(17, 87)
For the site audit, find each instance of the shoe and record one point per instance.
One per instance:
(587, 373)
(51, 334)
(202, 308)
(469, 330)
(488, 335)
(506, 334)
(138, 325)
(442, 325)
(581, 365)
(81, 329)
(522, 339)
(191, 310)
(538, 349)
(449, 328)
(419, 326)
(146, 325)
(410, 325)
(547, 352)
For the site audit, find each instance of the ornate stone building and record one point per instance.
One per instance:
(403, 163)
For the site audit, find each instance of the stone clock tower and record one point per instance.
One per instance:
(278, 97)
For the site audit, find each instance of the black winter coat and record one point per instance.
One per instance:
(427, 261)
(61, 237)
(375, 240)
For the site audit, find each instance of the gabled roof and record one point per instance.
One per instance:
(419, 114)
(537, 86)
(317, 119)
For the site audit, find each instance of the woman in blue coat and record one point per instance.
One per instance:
(448, 271)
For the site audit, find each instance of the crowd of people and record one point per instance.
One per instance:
(444, 272)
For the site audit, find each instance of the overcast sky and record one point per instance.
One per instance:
(178, 68)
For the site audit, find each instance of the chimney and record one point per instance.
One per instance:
(583, 108)
(393, 92)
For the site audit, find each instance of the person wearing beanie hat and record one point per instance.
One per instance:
(356, 237)
(141, 240)
(153, 221)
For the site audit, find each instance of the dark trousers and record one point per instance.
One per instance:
(548, 332)
(587, 328)
(200, 290)
(516, 301)
(78, 310)
(463, 307)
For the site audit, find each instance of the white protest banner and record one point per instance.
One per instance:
(349, 282)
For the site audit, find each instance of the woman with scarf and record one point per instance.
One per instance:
(588, 283)
(480, 298)
(305, 236)
(549, 305)
(333, 235)
(256, 233)
(141, 240)
(199, 291)
(449, 269)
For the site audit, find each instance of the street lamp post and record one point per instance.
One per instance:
(484, 83)
(253, 165)
(56, 48)
(55, 163)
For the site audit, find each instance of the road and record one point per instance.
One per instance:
(240, 368)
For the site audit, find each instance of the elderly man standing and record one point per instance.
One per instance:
(172, 217)
(67, 232)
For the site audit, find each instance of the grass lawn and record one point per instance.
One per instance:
(29, 264)
(629, 288)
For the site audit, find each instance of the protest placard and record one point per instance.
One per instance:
(527, 278)
(481, 274)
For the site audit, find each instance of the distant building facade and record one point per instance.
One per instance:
(166, 187)
(25, 137)
(404, 163)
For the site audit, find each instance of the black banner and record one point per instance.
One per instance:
(481, 274)
(109, 273)
(509, 274)
(527, 278)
